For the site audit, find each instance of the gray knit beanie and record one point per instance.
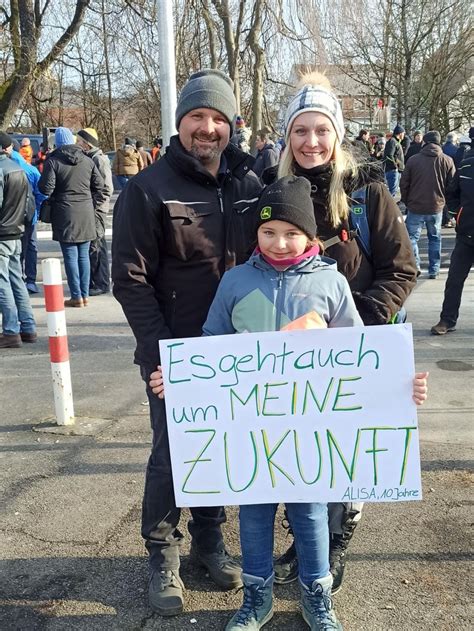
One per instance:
(433, 137)
(208, 88)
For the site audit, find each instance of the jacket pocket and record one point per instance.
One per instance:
(196, 231)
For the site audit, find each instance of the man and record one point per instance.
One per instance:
(145, 156)
(178, 226)
(29, 245)
(460, 199)
(415, 146)
(26, 150)
(450, 146)
(423, 187)
(17, 315)
(241, 138)
(267, 154)
(394, 159)
(99, 258)
(363, 143)
(155, 150)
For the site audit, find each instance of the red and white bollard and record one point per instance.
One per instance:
(58, 347)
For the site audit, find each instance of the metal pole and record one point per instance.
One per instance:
(167, 69)
(58, 347)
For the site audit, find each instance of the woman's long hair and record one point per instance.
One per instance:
(342, 161)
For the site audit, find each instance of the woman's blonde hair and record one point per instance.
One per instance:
(343, 162)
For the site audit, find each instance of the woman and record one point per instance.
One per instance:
(75, 187)
(381, 282)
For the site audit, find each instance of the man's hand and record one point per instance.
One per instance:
(156, 383)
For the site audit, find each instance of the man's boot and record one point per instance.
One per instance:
(286, 566)
(222, 568)
(165, 592)
(338, 546)
(10, 341)
(257, 608)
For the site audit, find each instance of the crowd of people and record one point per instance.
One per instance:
(193, 237)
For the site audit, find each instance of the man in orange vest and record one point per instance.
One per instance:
(25, 150)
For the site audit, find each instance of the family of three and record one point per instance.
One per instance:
(183, 231)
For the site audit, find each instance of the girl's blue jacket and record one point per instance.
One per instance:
(255, 297)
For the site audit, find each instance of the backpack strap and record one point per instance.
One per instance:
(358, 222)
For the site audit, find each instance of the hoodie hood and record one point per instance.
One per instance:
(431, 149)
(69, 154)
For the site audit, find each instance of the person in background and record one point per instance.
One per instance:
(29, 245)
(145, 156)
(18, 322)
(450, 147)
(394, 160)
(155, 150)
(99, 259)
(423, 187)
(464, 146)
(362, 143)
(415, 146)
(75, 188)
(267, 156)
(242, 135)
(460, 201)
(379, 148)
(26, 150)
(405, 143)
(177, 227)
(127, 162)
(40, 158)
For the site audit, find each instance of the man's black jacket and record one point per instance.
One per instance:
(14, 193)
(176, 230)
(460, 198)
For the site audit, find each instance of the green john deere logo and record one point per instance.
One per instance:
(266, 212)
(357, 210)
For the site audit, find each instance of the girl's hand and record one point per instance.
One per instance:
(420, 387)
(156, 383)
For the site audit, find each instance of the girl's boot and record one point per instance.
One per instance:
(317, 605)
(257, 608)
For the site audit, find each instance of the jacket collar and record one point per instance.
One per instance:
(238, 162)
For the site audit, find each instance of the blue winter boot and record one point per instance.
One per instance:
(317, 605)
(257, 608)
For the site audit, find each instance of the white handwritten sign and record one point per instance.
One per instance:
(323, 415)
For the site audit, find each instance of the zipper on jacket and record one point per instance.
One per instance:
(221, 202)
(173, 310)
(279, 301)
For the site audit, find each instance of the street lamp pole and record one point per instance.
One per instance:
(167, 69)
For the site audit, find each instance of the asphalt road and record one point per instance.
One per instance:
(71, 557)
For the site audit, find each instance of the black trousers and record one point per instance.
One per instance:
(462, 258)
(99, 258)
(160, 516)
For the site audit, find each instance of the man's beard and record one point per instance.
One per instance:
(206, 155)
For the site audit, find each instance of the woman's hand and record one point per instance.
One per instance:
(420, 387)
(156, 383)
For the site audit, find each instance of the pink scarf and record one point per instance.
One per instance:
(286, 263)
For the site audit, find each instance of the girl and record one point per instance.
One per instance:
(285, 284)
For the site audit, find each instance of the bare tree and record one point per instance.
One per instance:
(25, 21)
